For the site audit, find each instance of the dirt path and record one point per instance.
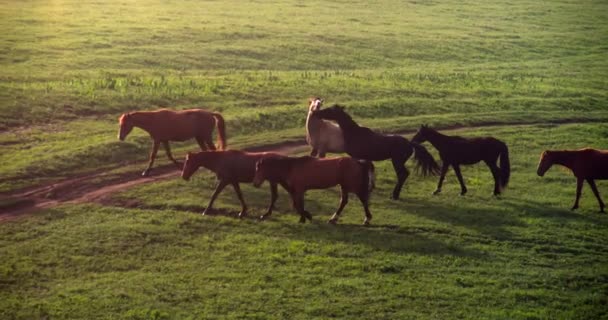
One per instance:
(97, 186)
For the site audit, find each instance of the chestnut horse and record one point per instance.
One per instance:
(586, 164)
(167, 125)
(455, 151)
(304, 173)
(230, 167)
(322, 135)
(363, 143)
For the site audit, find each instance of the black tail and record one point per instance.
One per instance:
(425, 163)
(505, 167)
(368, 181)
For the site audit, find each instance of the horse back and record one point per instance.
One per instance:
(170, 125)
(591, 163)
(239, 166)
(325, 173)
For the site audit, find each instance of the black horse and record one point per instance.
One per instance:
(455, 151)
(363, 143)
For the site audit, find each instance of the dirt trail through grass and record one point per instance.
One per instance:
(94, 188)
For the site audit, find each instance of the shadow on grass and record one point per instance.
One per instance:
(391, 238)
(485, 220)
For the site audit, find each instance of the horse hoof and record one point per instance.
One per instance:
(242, 215)
(366, 223)
(574, 208)
(145, 173)
(332, 221)
(436, 192)
(262, 217)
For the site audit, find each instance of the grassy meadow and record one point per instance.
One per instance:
(534, 70)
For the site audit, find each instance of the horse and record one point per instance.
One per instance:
(586, 164)
(167, 125)
(455, 151)
(231, 167)
(323, 136)
(363, 143)
(305, 173)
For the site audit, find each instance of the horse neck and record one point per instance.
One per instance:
(564, 158)
(312, 123)
(209, 159)
(437, 139)
(346, 123)
(141, 120)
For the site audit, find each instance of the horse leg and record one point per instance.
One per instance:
(322, 151)
(365, 202)
(169, 155)
(444, 169)
(496, 174)
(314, 152)
(152, 157)
(273, 199)
(210, 144)
(343, 202)
(402, 174)
(596, 193)
(463, 188)
(322, 154)
(298, 203)
(220, 186)
(201, 143)
(579, 187)
(237, 189)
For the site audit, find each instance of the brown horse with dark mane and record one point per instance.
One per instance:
(304, 173)
(363, 143)
(586, 164)
(230, 167)
(168, 125)
(455, 151)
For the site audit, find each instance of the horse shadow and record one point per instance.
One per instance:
(384, 237)
(486, 220)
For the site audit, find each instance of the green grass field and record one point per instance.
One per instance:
(536, 70)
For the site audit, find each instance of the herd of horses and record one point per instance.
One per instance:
(332, 130)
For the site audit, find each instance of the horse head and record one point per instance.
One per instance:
(126, 125)
(546, 161)
(189, 166)
(422, 134)
(335, 113)
(314, 104)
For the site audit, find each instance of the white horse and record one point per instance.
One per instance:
(322, 135)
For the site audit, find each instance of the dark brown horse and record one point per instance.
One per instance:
(586, 164)
(305, 173)
(168, 125)
(230, 167)
(363, 143)
(455, 151)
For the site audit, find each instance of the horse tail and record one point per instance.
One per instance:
(505, 166)
(368, 176)
(221, 130)
(425, 163)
